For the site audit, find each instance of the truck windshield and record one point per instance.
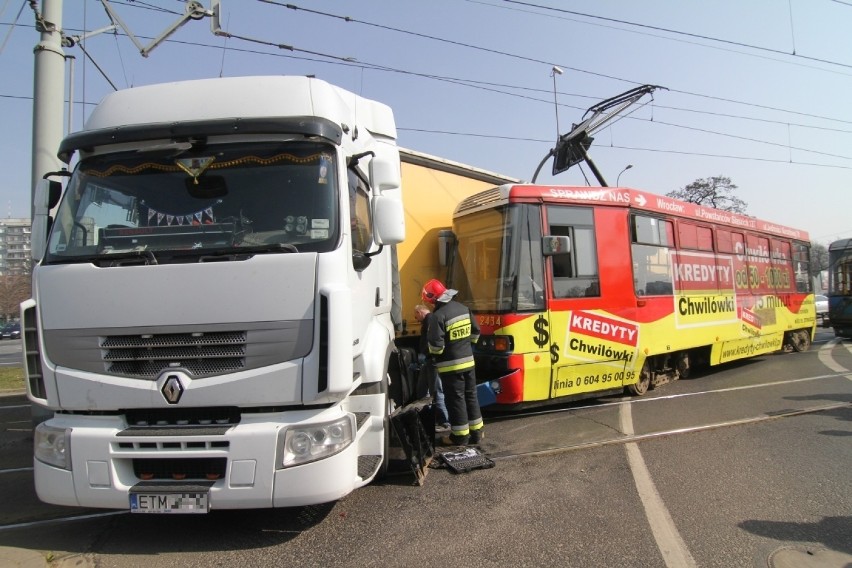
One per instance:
(498, 265)
(234, 198)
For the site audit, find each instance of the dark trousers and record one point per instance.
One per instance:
(462, 402)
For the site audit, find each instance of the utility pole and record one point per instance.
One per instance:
(48, 93)
(49, 83)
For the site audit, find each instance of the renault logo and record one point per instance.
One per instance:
(172, 389)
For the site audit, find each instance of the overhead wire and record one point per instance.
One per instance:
(492, 51)
(664, 37)
(488, 86)
(632, 148)
(481, 86)
(12, 27)
(679, 32)
(541, 61)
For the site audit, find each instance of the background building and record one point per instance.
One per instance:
(15, 246)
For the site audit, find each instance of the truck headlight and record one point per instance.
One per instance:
(303, 444)
(53, 445)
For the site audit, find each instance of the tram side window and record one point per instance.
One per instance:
(695, 237)
(759, 261)
(780, 275)
(575, 275)
(802, 265)
(652, 266)
(840, 277)
(728, 242)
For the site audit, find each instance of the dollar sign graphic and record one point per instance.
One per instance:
(542, 336)
(554, 353)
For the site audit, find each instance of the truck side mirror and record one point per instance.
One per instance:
(47, 193)
(388, 219)
(384, 170)
(388, 211)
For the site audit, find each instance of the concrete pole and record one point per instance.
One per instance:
(48, 91)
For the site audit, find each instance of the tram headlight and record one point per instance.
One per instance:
(311, 442)
(496, 343)
(495, 386)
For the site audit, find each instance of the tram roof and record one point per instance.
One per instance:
(841, 244)
(624, 197)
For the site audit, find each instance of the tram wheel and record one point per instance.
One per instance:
(801, 340)
(682, 366)
(641, 387)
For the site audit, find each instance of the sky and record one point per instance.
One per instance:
(757, 91)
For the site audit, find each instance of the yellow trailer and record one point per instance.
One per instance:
(432, 187)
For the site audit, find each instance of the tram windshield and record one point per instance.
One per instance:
(840, 268)
(498, 265)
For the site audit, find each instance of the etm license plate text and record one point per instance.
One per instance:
(173, 503)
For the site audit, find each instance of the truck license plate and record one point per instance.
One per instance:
(171, 503)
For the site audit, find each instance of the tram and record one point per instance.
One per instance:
(583, 292)
(840, 287)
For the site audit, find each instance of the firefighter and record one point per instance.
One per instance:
(451, 334)
(433, 384)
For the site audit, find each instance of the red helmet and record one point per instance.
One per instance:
(432, 290)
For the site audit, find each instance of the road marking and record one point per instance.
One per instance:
(827, 359)
(61, 520)
(16, 470)
(671, 545)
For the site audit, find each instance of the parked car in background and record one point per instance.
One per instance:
(821, 303)
(11, 331)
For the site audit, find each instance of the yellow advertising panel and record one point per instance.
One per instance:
(598, 352)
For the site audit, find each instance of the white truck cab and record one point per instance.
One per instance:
(210, 320)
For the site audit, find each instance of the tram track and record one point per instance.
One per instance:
(626, 437)
(672, 547)
(624, 440)
(671, 432)
(841, 372)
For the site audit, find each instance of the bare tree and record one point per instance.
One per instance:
(716, 192)
(819, 257)
(14, 289)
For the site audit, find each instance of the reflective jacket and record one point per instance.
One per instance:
(451, 335)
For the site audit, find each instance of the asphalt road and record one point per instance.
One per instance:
(10, 353)
(748, 465)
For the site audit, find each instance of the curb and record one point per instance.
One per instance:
(22, 558)
(13, 392)
(25, 558)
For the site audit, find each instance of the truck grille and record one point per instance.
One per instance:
(180, 469)
(199, 354)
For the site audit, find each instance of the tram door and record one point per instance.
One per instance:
(575, 348)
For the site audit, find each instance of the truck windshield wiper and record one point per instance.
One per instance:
(128, 257)
(146, 257)
(106, 258)
(253, 249)
(273, 247)
(224, 253)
